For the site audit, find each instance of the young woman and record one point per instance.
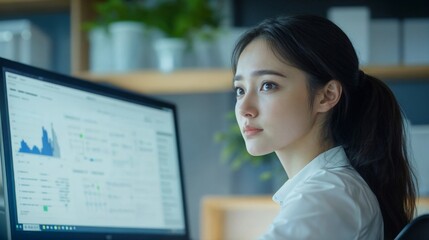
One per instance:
(337, 131)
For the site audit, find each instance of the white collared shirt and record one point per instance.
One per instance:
(327, 199)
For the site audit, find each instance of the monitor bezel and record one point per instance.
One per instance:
(6, 154)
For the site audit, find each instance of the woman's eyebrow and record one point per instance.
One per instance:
(260, 73)
(267, 72)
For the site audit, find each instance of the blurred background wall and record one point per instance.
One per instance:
(201, 115)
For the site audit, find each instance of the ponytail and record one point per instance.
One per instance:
(369, 124)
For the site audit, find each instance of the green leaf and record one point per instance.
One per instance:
(266, 175)
(110, 11)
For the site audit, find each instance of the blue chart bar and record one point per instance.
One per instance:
(50, 147)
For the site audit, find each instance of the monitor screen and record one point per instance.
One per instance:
(81, 160)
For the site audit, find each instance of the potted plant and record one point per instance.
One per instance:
(110, 11)
(178, 20)
(117, 35)
(235, 154)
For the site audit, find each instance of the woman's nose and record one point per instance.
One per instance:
(247, 108)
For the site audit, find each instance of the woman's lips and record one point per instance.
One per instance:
(251, 131)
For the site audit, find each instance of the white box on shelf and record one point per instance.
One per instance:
(8, 45)
(226, 42)
(354, 21)
(416, 41)
(31, 45)
(384, 42)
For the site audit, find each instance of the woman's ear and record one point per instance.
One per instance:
(328, 96)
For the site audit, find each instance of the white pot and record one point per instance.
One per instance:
(153, 35)
(127, 41)
(207, 54)
(100, 51)
(169, 53)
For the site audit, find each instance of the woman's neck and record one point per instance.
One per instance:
(296, 156)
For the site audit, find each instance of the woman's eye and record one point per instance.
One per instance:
(239, 91)
(268, 86)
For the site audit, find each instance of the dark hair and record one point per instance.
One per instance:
(367, 121)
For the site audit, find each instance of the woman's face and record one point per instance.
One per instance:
(272, 107)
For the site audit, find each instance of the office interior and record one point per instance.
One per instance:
(202, 109)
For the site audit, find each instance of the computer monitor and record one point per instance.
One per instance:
(86, 161)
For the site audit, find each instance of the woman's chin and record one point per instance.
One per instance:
(257, 152)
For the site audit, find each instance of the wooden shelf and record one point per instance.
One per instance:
(392, 73)
(9, 7)
(220, 80)
(183, 81)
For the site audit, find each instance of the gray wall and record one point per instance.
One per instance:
(413, 96)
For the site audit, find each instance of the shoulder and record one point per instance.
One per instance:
(341, 179)
(331, 199)
(342, 186)
(329, 174)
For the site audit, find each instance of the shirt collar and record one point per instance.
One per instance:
(332, 158)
